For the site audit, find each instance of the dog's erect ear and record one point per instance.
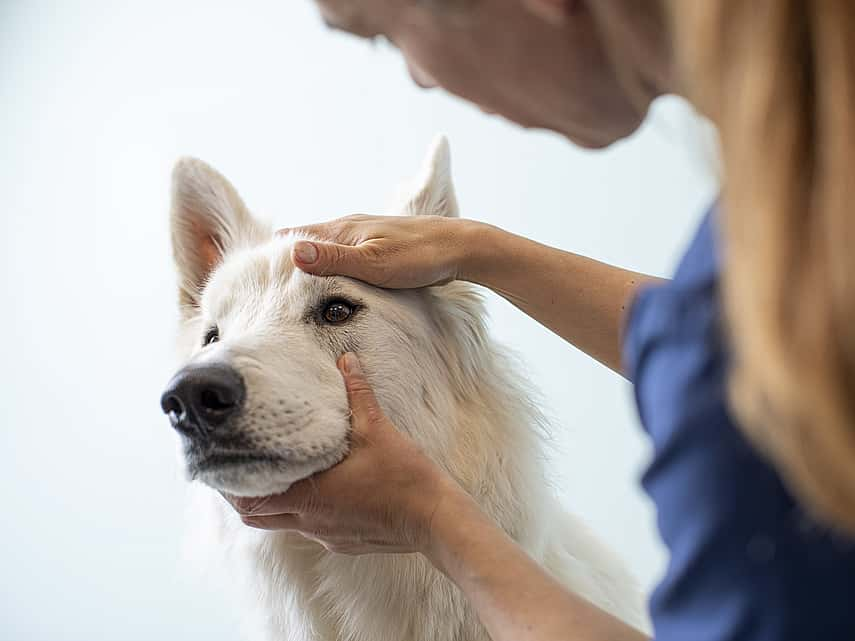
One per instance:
(209, 219)
(434, 190)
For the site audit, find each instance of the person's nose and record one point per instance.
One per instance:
(421, 77)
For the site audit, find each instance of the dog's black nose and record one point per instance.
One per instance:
(200, 398)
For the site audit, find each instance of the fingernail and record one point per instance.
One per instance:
(350, 364)
(305, 252)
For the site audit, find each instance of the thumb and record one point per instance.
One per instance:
(361, 397)
(326, 259)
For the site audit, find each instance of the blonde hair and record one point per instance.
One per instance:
(778, 79)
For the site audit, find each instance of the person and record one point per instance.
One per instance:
(743, 364)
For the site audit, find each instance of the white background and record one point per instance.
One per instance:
(98, 99)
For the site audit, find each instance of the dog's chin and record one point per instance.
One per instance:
(262, 475)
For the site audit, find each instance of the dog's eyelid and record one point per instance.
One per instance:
(212, 335)
(353, 303)
(318, 313)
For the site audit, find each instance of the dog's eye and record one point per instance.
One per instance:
(212, 336)
(337, 312)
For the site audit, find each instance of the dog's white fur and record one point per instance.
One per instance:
(436, 373)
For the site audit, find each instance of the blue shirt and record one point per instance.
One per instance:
(746, 563)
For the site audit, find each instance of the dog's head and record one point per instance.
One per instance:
(259, 402)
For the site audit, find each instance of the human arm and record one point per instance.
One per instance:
(582, 300)
(515, 598)
(387, 496)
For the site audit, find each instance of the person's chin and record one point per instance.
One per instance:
(597, 140)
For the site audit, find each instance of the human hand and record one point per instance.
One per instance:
(381, 498)
(397, 252)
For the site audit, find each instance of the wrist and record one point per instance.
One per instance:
(478, 250)
(452, 513)
(427, 505)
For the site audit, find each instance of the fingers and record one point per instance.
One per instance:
(360, 396)
(305, 230)
(324, 258)
(334, 231)
(296, 500)
(340, 247)
(327, 259)
(272, 522)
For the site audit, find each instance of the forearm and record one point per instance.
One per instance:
(582, 300)
(514, 597)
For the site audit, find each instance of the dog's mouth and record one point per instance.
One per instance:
(252, 473)
(214, 460)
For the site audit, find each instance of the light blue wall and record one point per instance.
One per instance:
(98, 99)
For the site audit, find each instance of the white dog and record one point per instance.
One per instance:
(260, 404)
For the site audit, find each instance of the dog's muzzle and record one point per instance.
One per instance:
(200, 399)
